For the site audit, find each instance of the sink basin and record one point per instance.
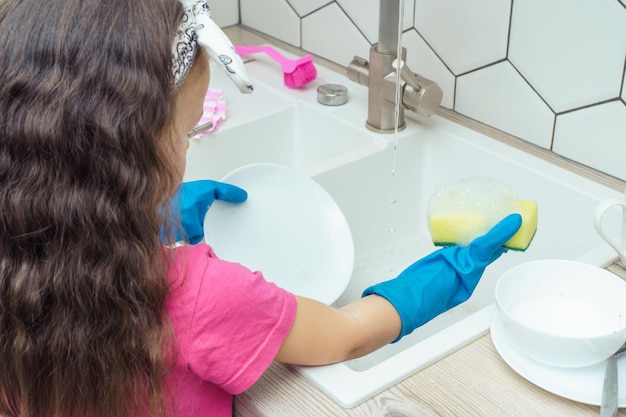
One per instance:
(274, 124)
(383, 184)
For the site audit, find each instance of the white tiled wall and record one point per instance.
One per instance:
(551, 72)
(225, 12)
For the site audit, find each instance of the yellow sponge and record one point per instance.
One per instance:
(452, 227)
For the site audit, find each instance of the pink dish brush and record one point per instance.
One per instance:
(297, 72)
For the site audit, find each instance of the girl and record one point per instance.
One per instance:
(97, 317)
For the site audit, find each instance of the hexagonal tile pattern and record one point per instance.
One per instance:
(572, 55)
(340, 40)
(499, 96)
(513, 65)
(273, 17)
(624, 85)
(304, 7)
(595, 137)
(466, 34)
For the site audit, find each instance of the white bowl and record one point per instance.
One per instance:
(289, 228)
(562, 313)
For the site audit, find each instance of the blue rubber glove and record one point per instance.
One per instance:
(445, 278)
(192, 202)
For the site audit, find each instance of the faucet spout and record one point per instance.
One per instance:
(388, 23)
(418, 94)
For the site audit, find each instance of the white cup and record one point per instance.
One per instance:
(601, 209)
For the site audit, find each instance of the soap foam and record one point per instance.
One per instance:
(488, 198)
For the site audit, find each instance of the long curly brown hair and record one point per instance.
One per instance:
(86, 99)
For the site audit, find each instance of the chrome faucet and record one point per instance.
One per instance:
(417, 94)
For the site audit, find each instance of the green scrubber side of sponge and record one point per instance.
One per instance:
(459, 227)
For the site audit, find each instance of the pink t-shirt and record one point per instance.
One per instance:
(228, 322)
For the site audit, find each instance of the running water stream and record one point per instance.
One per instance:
(393, 197)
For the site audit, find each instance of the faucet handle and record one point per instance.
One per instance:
(419, 94)
(358, 70)
(425, 99)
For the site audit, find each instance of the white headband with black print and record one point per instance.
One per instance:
(198, 29)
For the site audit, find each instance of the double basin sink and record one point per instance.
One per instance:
(383, 184)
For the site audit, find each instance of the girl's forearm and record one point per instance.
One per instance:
(322, 334)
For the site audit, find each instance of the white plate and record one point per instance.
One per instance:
(578, 384)
(289, 228)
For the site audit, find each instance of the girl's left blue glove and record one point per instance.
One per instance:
(192, 202)
(445, 278)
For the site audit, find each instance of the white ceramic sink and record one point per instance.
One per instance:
(387, 213)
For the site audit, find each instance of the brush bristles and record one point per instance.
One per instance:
(303, 74)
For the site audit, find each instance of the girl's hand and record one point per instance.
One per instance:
(193, 200)
(445, 278)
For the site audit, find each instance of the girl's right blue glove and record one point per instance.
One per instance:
(445, 278)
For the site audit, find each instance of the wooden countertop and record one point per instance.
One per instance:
(473, 381)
